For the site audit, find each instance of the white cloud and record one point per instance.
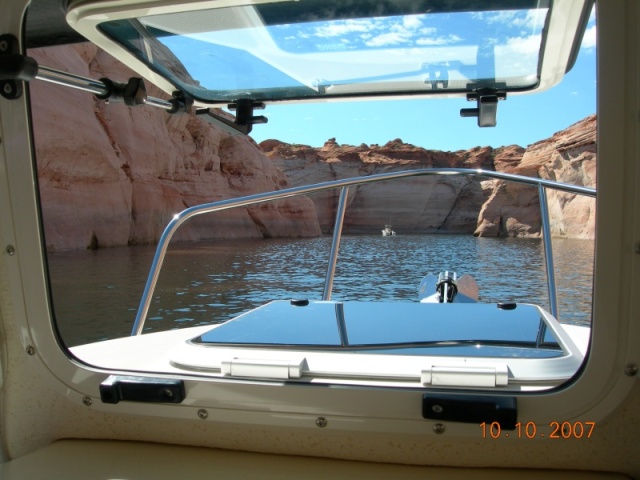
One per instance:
(393, 38)
(529, 45)
(437, 41)
(409, 31)
(382, 32)
(506, 17)
(412, 22)
(336, 29)
(533, 21)
(518, 56)
(589, 39)
(529, 20)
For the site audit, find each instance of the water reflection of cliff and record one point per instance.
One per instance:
(115, 175)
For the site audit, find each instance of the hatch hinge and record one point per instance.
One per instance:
(14, 68)
(487, 109)
(466, 375)
(244, 120)
(259, 368)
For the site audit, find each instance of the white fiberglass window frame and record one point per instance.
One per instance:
(598, 389)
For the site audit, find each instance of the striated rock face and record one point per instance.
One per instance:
(568, 156)
(115, 175)
(421, 204)
(447, 203)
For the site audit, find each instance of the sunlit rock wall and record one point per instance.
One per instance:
(115, 175)
(450, 204)
(569, 157)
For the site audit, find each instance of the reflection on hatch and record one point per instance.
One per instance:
(478, 330)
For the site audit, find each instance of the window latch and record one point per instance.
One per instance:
(118, 388)
(471, 409)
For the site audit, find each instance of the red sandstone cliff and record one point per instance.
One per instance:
(568, 156)
(452, 204)
(115, 175)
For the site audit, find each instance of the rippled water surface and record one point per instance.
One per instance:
(96, 293)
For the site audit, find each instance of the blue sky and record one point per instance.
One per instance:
(436, 124)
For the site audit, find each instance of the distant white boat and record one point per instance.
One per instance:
(387, 231)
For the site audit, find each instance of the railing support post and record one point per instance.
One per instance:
(335, 243)
(548, 260)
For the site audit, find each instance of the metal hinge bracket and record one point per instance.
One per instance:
(487, 109)
(243, 121)
(14, 68)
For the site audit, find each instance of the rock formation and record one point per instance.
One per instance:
(447, 204)
(568, 156)
(115, 175)
(422, 204)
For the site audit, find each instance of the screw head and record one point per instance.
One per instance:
(321, 422)
(87, 401)
(439, 428)
(203, 414)
(631, 370)
(31, 350)
(437, 409)
(167, 393)
(11, 250)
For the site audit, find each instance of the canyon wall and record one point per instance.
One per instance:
(114, 175)
(452, 204)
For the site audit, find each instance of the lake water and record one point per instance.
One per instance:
(96, 293)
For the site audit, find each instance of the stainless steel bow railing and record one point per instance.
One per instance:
(344, 185)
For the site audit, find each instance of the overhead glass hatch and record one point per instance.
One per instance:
(312, 49)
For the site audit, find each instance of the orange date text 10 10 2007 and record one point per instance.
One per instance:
(554, 430)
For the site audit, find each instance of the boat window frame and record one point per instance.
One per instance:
(598, 389)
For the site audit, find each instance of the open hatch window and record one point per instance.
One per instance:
(289, 52)
(315, 49)
(296, 50)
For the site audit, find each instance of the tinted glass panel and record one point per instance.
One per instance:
(310, 48)
(407, 328)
